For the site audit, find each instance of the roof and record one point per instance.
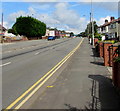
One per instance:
(2, 27)
(108, 23)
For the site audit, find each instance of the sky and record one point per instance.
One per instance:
(68, 15)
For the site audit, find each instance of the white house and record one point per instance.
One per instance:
(110, 29)
(67, 34)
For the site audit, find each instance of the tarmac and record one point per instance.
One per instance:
(85, 84)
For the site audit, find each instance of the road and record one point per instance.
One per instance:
(25, 63)
(83, 85)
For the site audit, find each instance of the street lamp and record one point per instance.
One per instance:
(92, 23)
(2, 29)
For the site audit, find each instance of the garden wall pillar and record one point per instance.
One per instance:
(101, 49)
(106, 53)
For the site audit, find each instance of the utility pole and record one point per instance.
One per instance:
(2, 29)
(90, 26)
(92, 23)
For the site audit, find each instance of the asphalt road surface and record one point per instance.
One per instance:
(83, 85)
(26, 62)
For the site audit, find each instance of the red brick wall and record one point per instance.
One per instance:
(106, 53)
(101, 49)
(95, 40)
(45, 37)
(112, 50)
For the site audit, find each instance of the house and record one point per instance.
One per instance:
(67, 34)
(113, 28)
(63, 33)
(119, 28)
(110, 29)
(48, 33)
(2, 31)
(57, 33)
(53, 32)
(103, 29)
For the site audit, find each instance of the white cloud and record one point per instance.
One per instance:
(61, 17)
(48, 19)
(102, 20)
(12, 17)
(5, 24)
(69, 17)
(31, 10)
(42, 5)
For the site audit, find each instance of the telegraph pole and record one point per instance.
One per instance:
(2, 28)
(89, 26)
(92, 23)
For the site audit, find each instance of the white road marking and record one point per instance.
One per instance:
(37, 53)
(5, 64)
(9, 51)
(7, 43)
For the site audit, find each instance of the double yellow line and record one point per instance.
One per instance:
(37, 85)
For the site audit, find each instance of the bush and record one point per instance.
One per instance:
(111, 41)
(117, 59)
(29, 27)
(12, 31)
(98, 36)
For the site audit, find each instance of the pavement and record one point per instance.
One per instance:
(110, 71)
(83, 84)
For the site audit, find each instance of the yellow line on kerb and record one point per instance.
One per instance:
(47, 75)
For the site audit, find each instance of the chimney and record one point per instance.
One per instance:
(112, 18)
(106, 21)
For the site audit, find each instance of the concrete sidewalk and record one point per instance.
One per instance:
(83, 84)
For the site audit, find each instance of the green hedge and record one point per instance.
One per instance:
(117, 59)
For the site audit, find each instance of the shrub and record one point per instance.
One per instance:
(117, 59)
(98, 36)
(111, 41)
(29, 26)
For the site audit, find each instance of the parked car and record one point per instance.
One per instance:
(51, 38)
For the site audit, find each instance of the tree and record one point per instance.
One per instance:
(12, 31)
(29, 27)
(71, 34)
(88, 30)
(83, 34)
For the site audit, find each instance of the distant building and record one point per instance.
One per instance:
(63, 33)
(54, 32)
(2, 29)
(67, 34)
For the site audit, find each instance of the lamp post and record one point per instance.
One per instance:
(2, 29)
(92, 23)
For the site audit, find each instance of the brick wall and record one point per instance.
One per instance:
(106, 53)
(101, 49)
